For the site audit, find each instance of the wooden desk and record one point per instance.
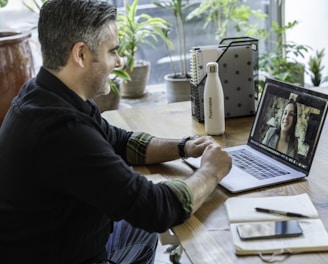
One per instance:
(204, 236)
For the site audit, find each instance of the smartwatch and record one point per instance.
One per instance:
(181, 145)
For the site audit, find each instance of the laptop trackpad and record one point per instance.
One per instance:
(237, 179)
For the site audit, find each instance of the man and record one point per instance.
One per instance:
(67, 192)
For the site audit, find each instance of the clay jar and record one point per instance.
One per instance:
(16, 66)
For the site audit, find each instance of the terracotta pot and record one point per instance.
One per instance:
(139, 78)
(110, 101)
(177, 90)
(107, 102)
(16, 66)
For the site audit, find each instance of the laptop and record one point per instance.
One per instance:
(265, 160)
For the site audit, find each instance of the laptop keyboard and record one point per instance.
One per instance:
(254, 165)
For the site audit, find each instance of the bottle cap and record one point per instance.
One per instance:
(212, 67)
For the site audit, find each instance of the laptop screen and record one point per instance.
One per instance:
(288, 123)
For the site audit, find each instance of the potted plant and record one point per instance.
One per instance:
(316, 68)
(281, 63)
(135, 30)
(178, 82)
(16, 66)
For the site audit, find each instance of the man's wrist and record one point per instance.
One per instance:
(181, 146)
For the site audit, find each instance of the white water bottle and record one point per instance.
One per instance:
(213, 101)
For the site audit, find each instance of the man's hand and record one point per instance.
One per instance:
(215, 164)
(216, 161)
(196, 145)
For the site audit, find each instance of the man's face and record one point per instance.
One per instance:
(105, 62)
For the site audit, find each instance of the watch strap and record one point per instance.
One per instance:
(181, 145)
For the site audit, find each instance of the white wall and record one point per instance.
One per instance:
(16, 16)
(312, 29)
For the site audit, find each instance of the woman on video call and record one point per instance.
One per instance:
(283, 137)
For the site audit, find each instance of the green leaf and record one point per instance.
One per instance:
(136, 30)
(3, 3)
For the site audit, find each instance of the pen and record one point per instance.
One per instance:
(270, 211)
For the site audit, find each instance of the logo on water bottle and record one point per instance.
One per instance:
(210, 108)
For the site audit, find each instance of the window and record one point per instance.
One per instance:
(196, 34)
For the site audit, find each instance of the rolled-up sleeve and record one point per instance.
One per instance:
(136, 148)
(183, 193)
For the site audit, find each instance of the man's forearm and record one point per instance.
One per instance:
(215, 164)
(161, 150)
(202, 183)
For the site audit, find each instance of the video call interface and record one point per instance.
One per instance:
(310, 113)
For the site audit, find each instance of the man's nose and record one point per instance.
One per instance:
(119, 62)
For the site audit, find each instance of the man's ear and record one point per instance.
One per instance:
(80, 52)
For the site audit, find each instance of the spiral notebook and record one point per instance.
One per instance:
(275, 166)
(200, 56)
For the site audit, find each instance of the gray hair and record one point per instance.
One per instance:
(63, 23)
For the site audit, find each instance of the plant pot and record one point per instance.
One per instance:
(139, 78)
(177, 90)
(109, 101)
(112, 100)
(16, 66)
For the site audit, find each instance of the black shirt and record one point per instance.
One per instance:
(64, 178)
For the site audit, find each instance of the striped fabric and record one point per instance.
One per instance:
(136, 148)
(183, 193)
